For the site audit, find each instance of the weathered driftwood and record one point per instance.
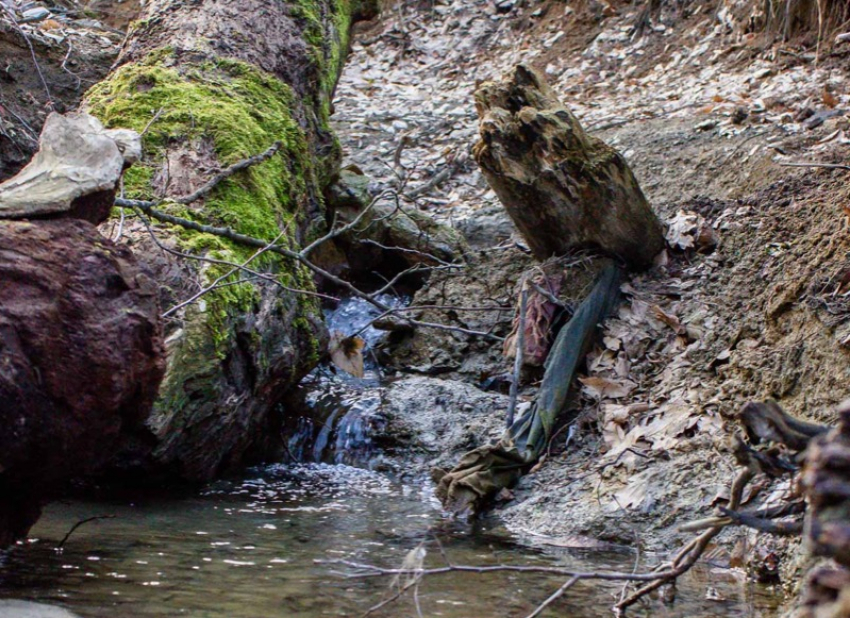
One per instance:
(563, 188)
(77, 158)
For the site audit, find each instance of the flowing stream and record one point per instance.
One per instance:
(264, 545)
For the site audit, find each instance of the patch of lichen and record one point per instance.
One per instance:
(240, 111)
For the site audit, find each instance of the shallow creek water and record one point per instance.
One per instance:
(248, 549)
(252, 547)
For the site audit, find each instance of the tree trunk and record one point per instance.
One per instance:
(209, 83)
(564, 189)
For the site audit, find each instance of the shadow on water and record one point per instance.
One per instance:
(249, 547)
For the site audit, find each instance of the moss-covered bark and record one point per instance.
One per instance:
(209, 84)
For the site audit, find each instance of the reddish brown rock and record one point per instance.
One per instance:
(81, 357)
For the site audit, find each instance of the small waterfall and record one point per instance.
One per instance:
(354, 444)
(342, 414)
(324, 436)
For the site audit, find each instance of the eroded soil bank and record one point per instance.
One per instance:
(708, 115)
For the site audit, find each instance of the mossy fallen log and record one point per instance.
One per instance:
(208, 84)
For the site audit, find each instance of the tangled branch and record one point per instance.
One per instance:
(153, 210)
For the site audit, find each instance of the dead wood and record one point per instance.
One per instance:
(768, 422)
(563, 189)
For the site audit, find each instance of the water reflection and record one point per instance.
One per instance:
(248, 549)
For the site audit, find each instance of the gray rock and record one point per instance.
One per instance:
(77, 157)
(438, 420)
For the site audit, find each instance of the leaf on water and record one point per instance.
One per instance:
(347, 353)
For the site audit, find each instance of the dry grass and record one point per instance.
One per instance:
(791, 18)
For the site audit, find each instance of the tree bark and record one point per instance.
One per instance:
(564, 189)
(209, 83)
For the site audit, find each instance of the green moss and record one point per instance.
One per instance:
(327, 34)
(234, 111)
(237, 111)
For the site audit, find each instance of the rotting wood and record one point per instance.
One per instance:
(564, 189)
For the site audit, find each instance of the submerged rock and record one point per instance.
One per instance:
(28, 609)
(82, 357)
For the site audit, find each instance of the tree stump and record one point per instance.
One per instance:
(564, 190)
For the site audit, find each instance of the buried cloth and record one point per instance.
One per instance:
(482, 472)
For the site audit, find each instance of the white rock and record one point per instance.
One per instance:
(76, 157)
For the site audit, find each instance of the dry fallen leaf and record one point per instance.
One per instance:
(670, 320)
(49, 24)
(605, 388)
(347, 353)
(829, 99)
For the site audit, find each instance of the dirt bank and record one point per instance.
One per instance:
(706, 114)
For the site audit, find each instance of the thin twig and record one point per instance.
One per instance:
(691, 553)
(371, 571)
(32, 51)
(151, 121)
(349, 226)
(250, 271)
(828, 166)
(227, 173)
(78, 524)
(214, 285)
(150, 208)
(520, 344)
(555, 596)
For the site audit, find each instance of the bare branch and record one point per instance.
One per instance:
(228, 172)
(150, 208)
(215, 284)
(73, 529)
(555, 596)
(20, 30)
(828, 166)
(250, 271)
(349, 226)
(520, 344)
